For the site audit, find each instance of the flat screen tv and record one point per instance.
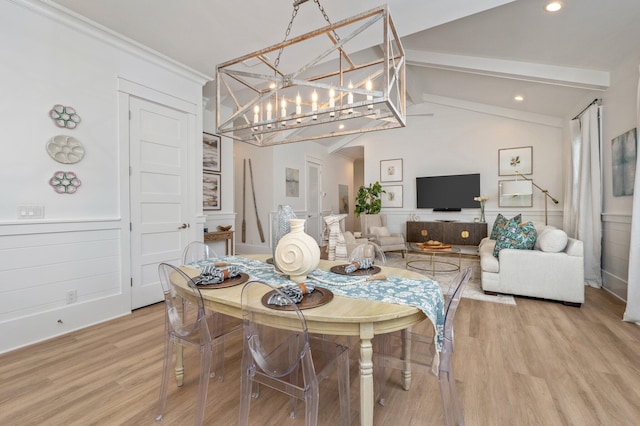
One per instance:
(447, 193)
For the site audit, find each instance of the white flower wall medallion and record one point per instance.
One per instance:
(65, 149)
(65, 182)
(64, 116)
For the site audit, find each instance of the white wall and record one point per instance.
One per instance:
(269, 164)
(619, 116)
(82, 243)
(227, 213)
(458, 140)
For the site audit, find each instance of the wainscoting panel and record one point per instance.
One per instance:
(56, 277)
(616, 231)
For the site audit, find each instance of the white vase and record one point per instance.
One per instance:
(297, 253)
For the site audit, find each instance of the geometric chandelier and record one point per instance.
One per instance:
(343, 79)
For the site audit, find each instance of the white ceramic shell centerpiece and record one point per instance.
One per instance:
(297, 253)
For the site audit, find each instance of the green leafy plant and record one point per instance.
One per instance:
(368, 199)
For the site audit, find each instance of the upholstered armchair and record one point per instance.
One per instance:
(374, 226)
(340, 242)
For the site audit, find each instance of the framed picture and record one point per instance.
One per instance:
(391, 170)
(343, 199)
(623, 162)
(210, 152)
(292, 182)
(211, 191)
(515, 193)
(511, 160)
(392, 197)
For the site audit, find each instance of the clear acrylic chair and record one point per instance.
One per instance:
(185, 324)
(404, 350)
(274, 357)
(195, 253)
(370, 251)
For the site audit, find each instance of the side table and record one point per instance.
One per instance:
(226, 236)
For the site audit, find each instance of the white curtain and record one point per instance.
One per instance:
(583, 198)
(632, 313)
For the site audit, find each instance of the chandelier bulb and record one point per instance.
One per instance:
(314, 104)
(369, 87)
(332, 101)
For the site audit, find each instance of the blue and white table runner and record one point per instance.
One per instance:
(424, 294)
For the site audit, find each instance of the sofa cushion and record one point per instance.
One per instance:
(380, 231)
(541, 227)
(521, 236)
(552, 240)
(499, 224)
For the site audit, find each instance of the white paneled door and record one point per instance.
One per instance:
(314, 199)
(158, 188)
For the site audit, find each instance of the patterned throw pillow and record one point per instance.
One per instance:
(521, 236)
(499, 224)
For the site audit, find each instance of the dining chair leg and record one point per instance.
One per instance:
(312, 400)
(205, 370)
(450, 402)
(246, 390)
(343, 388)
(166, 371)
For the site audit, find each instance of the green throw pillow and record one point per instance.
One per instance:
(499, 224)
(521, 236)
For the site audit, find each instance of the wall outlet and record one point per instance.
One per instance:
(72, 296)
(30, 212)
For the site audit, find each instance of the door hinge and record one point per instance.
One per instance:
(131, 282)
(129, 114)
(130, 171)
(130, 226)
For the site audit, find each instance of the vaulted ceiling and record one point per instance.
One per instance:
(480, 52)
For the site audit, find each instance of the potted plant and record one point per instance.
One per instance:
(368, 199)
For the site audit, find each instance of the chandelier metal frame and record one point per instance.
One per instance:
(335, 93)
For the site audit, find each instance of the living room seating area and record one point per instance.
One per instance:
(551, 268)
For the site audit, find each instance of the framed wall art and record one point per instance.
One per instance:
(391, 170)
(292, 182)
(392, 197)
(519, 159)
(515, 193)
(211, 191)
(211, 153)
(343, 199)
(623, 162)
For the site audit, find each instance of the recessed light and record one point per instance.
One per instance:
(553, 6)
(341, 126)
(518, 98)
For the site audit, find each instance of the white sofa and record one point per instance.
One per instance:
(548, 271)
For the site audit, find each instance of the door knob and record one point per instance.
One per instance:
(184, 226)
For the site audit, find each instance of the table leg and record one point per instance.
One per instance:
(179, 364)
(433, 265)
(366, 375)
(406, 356)
(179, 349)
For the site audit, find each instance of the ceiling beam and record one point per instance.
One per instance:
(528, 71)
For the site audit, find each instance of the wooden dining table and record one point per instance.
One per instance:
(342, 316)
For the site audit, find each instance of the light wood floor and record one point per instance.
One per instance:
(537, 363)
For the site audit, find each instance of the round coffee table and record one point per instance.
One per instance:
(432, 263)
